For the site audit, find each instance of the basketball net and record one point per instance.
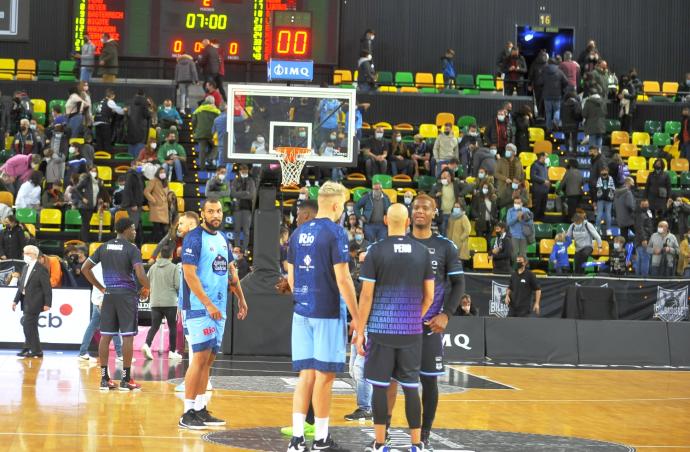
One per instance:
(292, 161)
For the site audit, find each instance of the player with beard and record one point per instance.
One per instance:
(206, 257)
(448, 290)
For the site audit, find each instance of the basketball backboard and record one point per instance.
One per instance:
(266, 117)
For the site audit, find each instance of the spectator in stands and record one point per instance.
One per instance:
(598, 163)
(540, 184)
(18, 169)
(54, 164)
(484, 159)
(499, 132)
(677, 214)
(584, 235)
(502, 56)
(523, 286)
(25, 141)
(421, 155)
(56, 116)
(508, 169)
(600, 80)
(684, 135)
(29, 194)
(133, 197)
(514, 68)
(156, 193)
(87, 56)
(173, 156)
(684, 257)
(218, 187)
(138, 123)
(376, 154)
(53, 198)
(75, 109)
(366, 43)
(371, 209)
(243, 191)
(241, 263)
(164, 277)
(571, 69)
(485, 210)
(523, 121)
(502, 251)
(209, 62)
(358, 242)
(104, 121)
(571, 116)
(148, 156)
(519, 219)
(168, 116)
(54, 267)
(467, 146)
(366, 75)
(91, 196)
(604, 193)
(445, 148)
(70, 196)
(559, 254)
(446, 192)
(352, 225)
(185, 75)
(663, 248)
(12, 239)
(220, 130)
(534, 76)
(328, 118)
(108, 61)
(624, 207)
(401, 156)
(75, 255)
(571, 186)
(202, 122)
(620, 256)
(644, 228)
(658, 189)
(627, 101)
(553, 83)
(594, 114)
(588, 57)
(212, 90)
(466, 308)
(459, 229)
(448, 69)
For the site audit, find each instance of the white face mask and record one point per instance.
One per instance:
(350, 208)
(514, 185)
(221, 177)
(378, 135)
(29, 260)
(333, 137)
(302, 197)
(660, 230)
(154, 145)
(244, 175)
(32, 127)
(260, 140)
(493, 151)
(72, 150)
(517, 206)
(94, 174)
(13, 282)
(482, 175)
(501, 118)
(408, 200)
(162, 176)
(485, 191)
(398, 139)
(444, 181)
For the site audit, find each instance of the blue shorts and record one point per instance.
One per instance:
(318, 344)
(201, 331)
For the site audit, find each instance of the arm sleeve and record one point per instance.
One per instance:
(457, 281)
(191, 249)
(368, 270)
(340, 247)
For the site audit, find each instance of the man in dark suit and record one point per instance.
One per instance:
(36, 296)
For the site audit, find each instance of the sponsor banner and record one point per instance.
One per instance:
(285, 70)
(65, 323)
(463, 339)
(637, 299)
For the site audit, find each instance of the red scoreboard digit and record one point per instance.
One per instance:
(292, 42)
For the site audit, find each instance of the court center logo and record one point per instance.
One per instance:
(497, 305)
(671, 304)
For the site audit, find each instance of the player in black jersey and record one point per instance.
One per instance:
(448, 289)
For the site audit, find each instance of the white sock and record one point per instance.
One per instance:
(200, 402)
(298, 424)
(188, 405)
(321, 426)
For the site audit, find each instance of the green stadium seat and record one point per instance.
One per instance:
(26, 215)
(72, 220)
(672, 127)
(661, 139)
(404, 79)
(463, 81)
(428, 90)
(313, 192)
(553, 160)
(673, 176)
(485, 82)
(66, 71)
(425, 183)
(685, 179)
(542, 231)
(648, 151)
(560, 227)
(123, 156)
(146, 223)
(384, 78)
(46, 70)
(358, 192)
(40, 118)
(612, 124)
(60, 102)
(470, 92)
(453, 92)
(385, 180)
(464, 121)
(652, 127)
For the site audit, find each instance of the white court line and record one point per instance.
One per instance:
(667, 399)
(97, 436)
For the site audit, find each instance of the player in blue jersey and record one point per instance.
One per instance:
(397, 291)
(208, 273)
(320, 280)
(120, 261)
(448, 290)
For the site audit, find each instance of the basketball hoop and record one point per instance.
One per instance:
(292, 161)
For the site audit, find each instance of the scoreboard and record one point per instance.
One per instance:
(246, 30)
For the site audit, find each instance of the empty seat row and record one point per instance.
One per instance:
(26, 69)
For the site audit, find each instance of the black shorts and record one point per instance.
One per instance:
(119, 314)
(384, 362)
(432, 354)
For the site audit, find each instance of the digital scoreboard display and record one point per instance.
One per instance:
(246, 30)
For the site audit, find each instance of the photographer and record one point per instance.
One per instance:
(74, 258)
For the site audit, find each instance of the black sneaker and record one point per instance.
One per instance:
(107, 385)
(297, 444)
(359, 414)
(207, 419)
(425, 441)
(191, 421)
(24, 352)
(328, 444)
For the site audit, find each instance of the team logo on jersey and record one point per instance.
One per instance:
(432, 250)
(671, 305)
(402, 248)
(220, 265)
(307, 263)
(306, 239)
(497, 305)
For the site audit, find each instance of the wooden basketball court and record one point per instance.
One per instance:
(54, 404)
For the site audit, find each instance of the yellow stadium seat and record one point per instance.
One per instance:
(76, 141)
(424, 80)
(650, 163)
(499, 84)
(409, 89)
(7, 198)
(543, 146)
(93, 247)
(670, 88)
(356, 176)
(528, 170)
(384, 125)
(642, 98)
(680, 165)
(6, 69)
(336, 81)
(603, 251)
(147, 250)
(439, 81)
(120, 214)
(402, 178)
(571, 249)
(477, 244)
(556, 173)
(96, 218)
(177, 188)
(546, 246)
(428, 130)
(366, 126)
(536, 134)
(50, 220)
(641, 139)
(444, 117)
(651, 88)
(527, 158)
(345, 76)
(392, 194)
(26, 69)
(39, 105)
(388, 89)
(105, 173)
(404, 126)
(180, 205)
(619, 137)
(102, 155)
(637, 163)
(628, 149)
(480, 261)
(641, 177)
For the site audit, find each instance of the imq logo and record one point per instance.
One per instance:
(458, 340)
(53, 320)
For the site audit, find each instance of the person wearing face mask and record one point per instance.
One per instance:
(35, 296)
(258, 145)
(173, 156)
(571, 116)
(683, 268)
(401, 157)
(371, 209)
(12, 239)
(54, 166)
(594, 113)
(600, 79)
(243, 191)
(484, 159)
(445, 148)
(504, 54)
(508, 169)
(375, 152)
(584, 234)
(524, 119)
(17, 170)
(459, 229)
(663, 248)
(499, 132)
(539, 176)
(156, 193)
(446, 192)
(523, 288)
(202, 121)
(684, 135)
(624, 207)
(168, 116)
(25, 140)
(408, 197)
(559, 254)
(133, 198)
(485, 210)
(644, 228)
(218, 186)
(599, 162)
(29, 194)
(108, 60)
(358, 242)
(519, 219)
(448, 69)
(366, 75)
(89, 191)
(658, 189)
(366, 43)
(328, 117)
(514, 69)
(421, 155)
(620, 256)
(104, 121)
(627, 99)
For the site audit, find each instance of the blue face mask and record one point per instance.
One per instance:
(509, 154)
(140, 169)
(235, 256)
(457, 211)
(514, 185)
(359, 237)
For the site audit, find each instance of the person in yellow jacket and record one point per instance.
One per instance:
(459, 228)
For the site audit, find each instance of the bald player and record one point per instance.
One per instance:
(397, 291)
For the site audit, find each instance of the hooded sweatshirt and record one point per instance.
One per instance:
(164, 277)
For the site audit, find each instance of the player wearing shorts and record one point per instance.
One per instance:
(318, 274)
(448, 289)
(208, 273)
(397, 291)
(120, 261)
